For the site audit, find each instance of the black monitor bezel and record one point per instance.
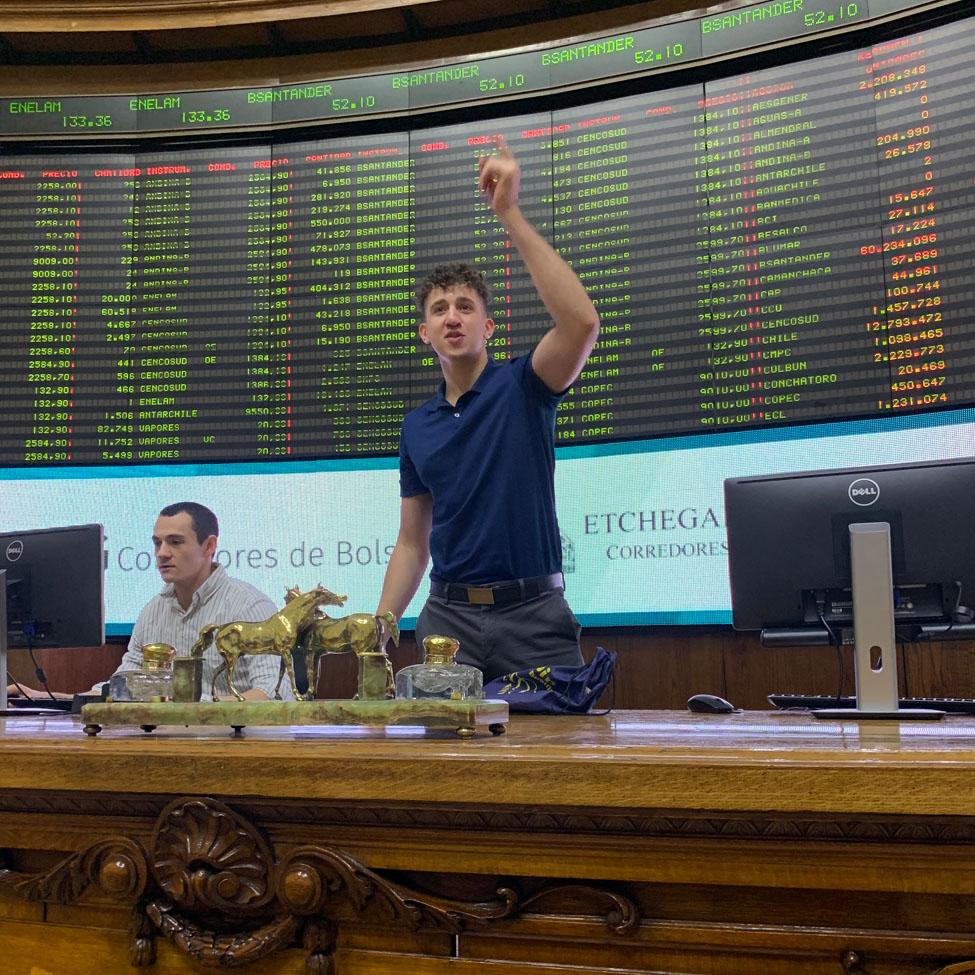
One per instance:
(70, 553)
(786, 573)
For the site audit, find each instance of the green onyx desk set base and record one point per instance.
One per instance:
(465, 718)
(438, 693)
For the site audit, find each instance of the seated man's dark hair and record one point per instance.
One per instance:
(445, 276)
(204, 520)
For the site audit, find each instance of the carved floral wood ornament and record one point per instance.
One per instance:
(212, 885)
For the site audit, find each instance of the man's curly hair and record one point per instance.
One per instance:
(446, 276)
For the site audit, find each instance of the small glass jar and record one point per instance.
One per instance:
(148, 685)
(439, 676)
(154, 682)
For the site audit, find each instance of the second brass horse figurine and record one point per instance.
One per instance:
(358, 633)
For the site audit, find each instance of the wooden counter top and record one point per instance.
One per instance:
(753, 843)
(629, 759)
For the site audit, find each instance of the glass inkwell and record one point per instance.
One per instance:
(154, 682)
(439, 676)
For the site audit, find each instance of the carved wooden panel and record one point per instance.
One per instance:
(211, 883)
(569, 845)
(687, 824)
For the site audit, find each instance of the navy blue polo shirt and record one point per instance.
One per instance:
(489, 463)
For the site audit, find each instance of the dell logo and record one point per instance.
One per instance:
(864, 492)
(15, 550)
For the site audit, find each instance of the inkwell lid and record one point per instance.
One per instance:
(158, 656)
(440, 649)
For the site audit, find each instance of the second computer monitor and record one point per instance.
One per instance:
(789, 542)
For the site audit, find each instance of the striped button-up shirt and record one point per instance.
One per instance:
(221, 599)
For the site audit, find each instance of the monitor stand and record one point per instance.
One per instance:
(874, 639)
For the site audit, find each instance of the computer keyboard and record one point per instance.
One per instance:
(950, 705)
(17, 703)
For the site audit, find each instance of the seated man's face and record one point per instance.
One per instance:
(180, 557)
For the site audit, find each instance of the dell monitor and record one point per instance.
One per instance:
(55, 589)
(801, 546)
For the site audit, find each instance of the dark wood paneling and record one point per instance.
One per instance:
(71, 670)
(656, 668)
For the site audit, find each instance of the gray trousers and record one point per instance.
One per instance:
(500, 640)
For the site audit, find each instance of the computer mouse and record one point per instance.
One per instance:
(709, 704)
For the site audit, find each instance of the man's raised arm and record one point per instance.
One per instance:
(562, 352)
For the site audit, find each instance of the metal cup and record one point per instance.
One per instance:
(374, 679)
(187, 679)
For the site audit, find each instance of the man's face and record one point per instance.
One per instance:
(180, 557)
(455, 323)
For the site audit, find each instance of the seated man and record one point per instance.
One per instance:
(198, 592)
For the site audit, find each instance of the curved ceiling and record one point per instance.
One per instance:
(49, 33)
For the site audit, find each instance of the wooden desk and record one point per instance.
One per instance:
(639, 842)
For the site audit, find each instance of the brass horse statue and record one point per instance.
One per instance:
(358, 633)
(276, 635)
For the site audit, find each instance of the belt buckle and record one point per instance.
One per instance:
(480, 596)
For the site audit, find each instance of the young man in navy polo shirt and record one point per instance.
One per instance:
(477, 461)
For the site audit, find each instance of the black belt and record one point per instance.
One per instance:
(500, 593)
